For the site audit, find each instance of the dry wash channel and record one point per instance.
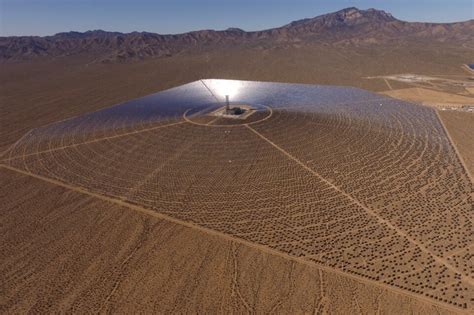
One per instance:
(339, 177)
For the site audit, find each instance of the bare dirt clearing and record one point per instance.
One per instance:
(431, 98)
(461, 128)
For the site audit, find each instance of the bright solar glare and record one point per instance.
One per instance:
(226, 87)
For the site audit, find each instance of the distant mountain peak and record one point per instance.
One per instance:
(235, 29)
(369, 15)
(382, 13)
(359, 12)
(347, 18)
(96, 33)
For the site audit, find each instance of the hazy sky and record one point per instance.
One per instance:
(46, 17)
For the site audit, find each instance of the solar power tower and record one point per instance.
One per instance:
(227, 105)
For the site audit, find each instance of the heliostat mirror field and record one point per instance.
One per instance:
(338, 176)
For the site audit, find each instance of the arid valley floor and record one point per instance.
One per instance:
(352, 202)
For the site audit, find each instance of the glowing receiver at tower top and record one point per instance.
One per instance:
(225, 88)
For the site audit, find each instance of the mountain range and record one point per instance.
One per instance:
(346, 27)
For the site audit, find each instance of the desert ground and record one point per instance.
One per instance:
(99, 235)
(432, 97)
(444, 92)
(460, 126)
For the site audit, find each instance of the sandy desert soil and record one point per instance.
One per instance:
(470, 90)
(430, 97)
(82, 254)
(460, 126)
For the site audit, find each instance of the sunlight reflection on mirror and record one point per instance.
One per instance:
(221, 88)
